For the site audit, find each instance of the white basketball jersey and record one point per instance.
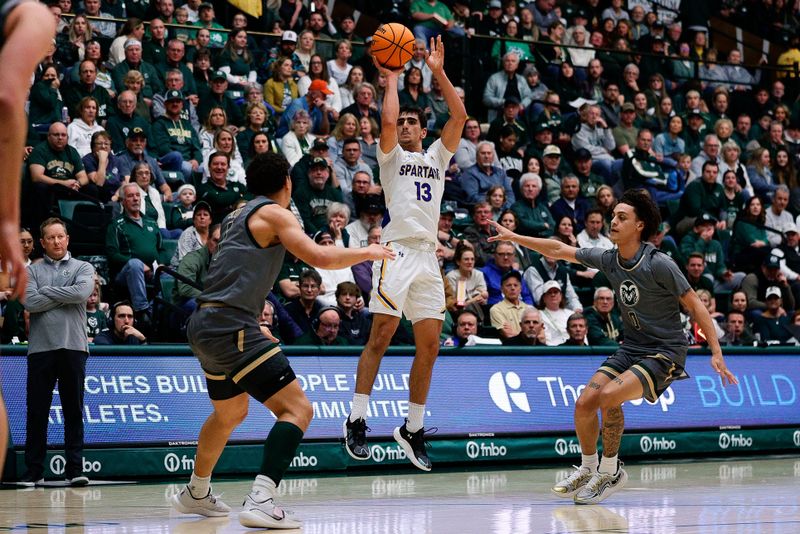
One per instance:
(413, 183)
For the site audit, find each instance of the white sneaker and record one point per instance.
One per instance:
(572, 484)
(601, 486)
(260, 511)
(209, 506)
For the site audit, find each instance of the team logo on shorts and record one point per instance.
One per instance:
(629, 293)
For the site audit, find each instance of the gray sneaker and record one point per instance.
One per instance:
(209, 506)
(260, 511)
(602, 486)
(572, 484)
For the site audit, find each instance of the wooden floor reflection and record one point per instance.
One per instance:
(742, 496)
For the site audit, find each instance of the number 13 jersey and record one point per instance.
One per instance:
(413, 183)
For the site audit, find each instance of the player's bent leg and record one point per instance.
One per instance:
(611, 478)
(294, 412)
(354, 427)
(587, 428)
(197, 497)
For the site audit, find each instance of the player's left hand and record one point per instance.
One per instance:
(503, 233)
(435, 57)
(268, 334)
(12, 260)
(718, 363)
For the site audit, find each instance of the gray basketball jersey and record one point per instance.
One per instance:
(647, 295)
(242, 273)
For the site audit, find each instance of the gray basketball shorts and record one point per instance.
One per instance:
(655, 371)
(235, 356)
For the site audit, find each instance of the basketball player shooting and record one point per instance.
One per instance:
(650, 290)
(413, 182)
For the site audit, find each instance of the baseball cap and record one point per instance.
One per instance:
(512, 100)
(184, 187)
(705, 218)
(447, 209)
(319, 144)
(791, 227)
(322, 234)
(320, 85)
(582, 154)
(372, 204)
(202, 205)
(318, 162)
(495, 4)
(205, 5)
(173, 94)
(135, 132)
(550, 284)
(658, 39)
(132, 42)
(218, 74)
(551, 150)
(772, 261)
(513, 273)
(658, 24)
(628, 106)
(695, 113)
(542, 126)
(289, 36)
(773, 291)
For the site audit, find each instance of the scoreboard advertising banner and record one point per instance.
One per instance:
(162, 400)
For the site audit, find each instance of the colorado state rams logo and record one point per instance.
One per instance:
(628, 293)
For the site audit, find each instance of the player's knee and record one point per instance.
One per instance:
(232, 418)
(303, 413)
(608, 400)
(587, 403)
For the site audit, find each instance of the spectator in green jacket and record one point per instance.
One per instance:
(194, 266)
(703, 195)
(534, 217)
(222, 195)
(602, 319)
(701, 240)
(175, 142)
(135, 249)
(133, 61)
(314, 194)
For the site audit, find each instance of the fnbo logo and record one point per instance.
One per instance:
(735, 441)
(58, 465)
(499, 387)
(796, 438)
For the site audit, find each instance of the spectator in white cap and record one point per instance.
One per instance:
(770, 325)
(133, 61)
(555, 313)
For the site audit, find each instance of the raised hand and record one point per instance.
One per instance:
(503, 233)
(435, 57)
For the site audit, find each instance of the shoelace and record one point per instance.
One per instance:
(576, 475)
(418, 440)
(360, 431)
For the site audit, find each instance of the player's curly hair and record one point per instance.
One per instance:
(646, 210)
(267, 174)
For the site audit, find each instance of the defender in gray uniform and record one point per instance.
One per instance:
(241, 358)
(650, 289)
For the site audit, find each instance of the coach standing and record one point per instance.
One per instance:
(56, 300)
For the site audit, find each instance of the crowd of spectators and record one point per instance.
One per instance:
(156, 124)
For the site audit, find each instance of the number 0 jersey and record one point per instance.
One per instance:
(413, 183)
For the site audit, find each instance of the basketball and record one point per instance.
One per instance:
(393, 45)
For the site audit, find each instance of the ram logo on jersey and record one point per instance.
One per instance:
(420, 171)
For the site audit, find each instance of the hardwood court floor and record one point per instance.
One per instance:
(743, 496)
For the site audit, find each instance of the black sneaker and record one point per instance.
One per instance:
(30, 480)
(355, 439)
(77, 481)
(414, 446)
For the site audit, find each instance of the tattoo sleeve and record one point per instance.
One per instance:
(613, 426)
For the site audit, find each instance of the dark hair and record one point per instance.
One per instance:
(593, 211)
(708, 163)
(347, 288)
(745, 215)
(114, 307)
(310, 274)
(414, 110)
(577, 316)
(267, 173)
(645, 209)
(350, 141)
(461, 248)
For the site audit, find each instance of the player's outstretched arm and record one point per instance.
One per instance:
(697, 310)
(451, 132)
(28, 32)
(283, 224)
(391, 107)
(548, 247)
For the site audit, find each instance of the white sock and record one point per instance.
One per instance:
(589, 461)
(416, 417)
(608, 465)
(264, 484)
(199, 486)
(359, 409)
